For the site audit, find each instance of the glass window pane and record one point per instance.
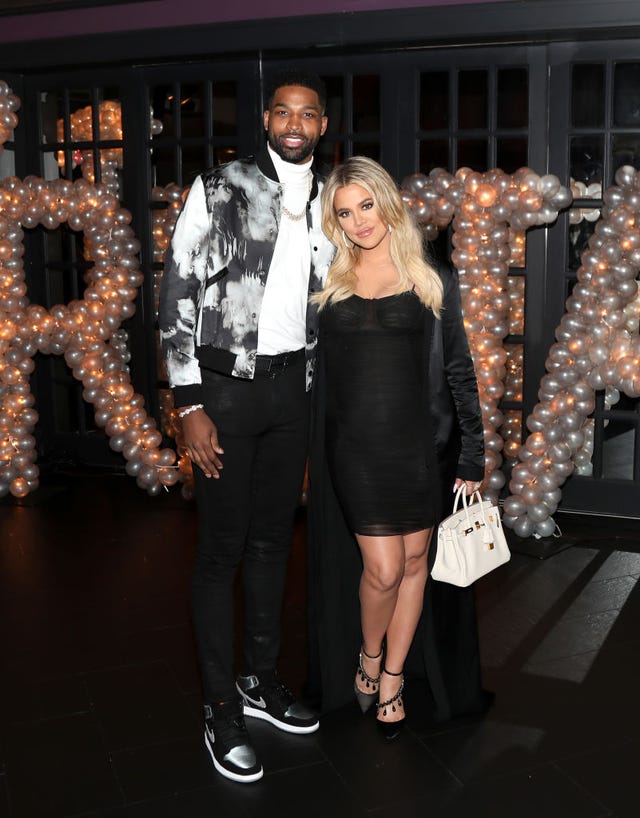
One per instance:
(194, 108)
(162, 103)
(512, 153)
(81, 115)
(516, 289)
(64, 404)
(366, 103)
(335, 104)
(588, 97)
(513, 98)
(225, 108)
(434, 153)
(51, 109)
(472, 153)
(370, 149)
(53, 164)
(513, 380)
(472, 99)
(586, 158)
(626, 94)
(625, 149)
(329, 153)
(163, 161)
(518, 247)
(511, 431)
(194, 161)
(224, 153)
(579, 235)
(7, 163)
(434, 100)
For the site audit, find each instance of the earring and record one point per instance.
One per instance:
(389, 228)
(347, 242)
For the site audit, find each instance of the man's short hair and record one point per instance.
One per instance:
(293, 75)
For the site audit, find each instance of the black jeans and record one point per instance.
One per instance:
(247, 516)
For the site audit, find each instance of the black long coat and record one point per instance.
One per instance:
(445, 649)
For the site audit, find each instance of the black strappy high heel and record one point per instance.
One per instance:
(391, 729)
(365, 700)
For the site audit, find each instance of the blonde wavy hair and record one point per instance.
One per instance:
(406, 246)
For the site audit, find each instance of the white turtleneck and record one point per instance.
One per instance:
(283, 315)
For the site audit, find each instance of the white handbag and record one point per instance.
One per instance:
(471, 541)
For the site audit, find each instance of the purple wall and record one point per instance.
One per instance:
(171, 13)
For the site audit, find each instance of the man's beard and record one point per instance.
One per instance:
(293, 155)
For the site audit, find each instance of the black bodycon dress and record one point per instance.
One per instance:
(377, 443)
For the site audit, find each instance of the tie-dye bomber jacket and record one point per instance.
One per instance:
(216, 270)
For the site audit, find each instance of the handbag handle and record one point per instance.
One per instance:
(475, 497)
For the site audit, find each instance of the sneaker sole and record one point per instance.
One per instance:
(257, 713)
(241, 779)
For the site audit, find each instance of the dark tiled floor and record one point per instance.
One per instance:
(99, 693)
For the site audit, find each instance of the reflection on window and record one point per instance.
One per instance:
(579, 235)
(513, 380)
(511, 432)
(199, 121)
(165, 101)
(625, 150)
(586, 158)
(195, 103)
(516, 287)
(518, 247)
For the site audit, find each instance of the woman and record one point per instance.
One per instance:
(379, 312)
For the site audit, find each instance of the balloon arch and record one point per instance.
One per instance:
(597, 342)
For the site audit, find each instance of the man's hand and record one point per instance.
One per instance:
(201, 441)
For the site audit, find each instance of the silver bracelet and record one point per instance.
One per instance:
(184, 412)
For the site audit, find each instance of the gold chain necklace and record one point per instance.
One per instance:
(295, 217)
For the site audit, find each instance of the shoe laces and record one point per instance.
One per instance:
(232, 731)
(280, 692)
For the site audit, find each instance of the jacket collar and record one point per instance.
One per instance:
(265, 164)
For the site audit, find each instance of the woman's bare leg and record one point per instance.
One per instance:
(383, 560)
(405, 617)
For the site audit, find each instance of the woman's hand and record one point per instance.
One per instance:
(471, 485)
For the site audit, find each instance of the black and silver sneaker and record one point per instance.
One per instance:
(275, 703)
(227, 740)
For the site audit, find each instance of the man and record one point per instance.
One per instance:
(239, 336)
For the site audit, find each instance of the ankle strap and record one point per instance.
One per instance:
(389, 673)
(377, 656)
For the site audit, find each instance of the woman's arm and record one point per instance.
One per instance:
(461, 378)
